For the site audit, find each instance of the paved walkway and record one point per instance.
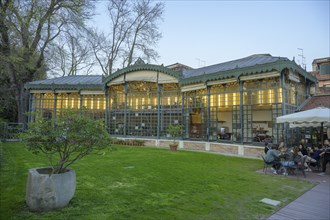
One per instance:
(313, 205)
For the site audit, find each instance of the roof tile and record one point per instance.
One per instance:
(317, 101)
(234, 64)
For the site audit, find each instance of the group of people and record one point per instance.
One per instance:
(282, 157)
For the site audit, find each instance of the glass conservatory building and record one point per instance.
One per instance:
(232, 102)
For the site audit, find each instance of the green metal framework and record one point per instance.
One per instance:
(241, 107)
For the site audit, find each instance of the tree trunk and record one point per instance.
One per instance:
(130, 56)
(20, 97)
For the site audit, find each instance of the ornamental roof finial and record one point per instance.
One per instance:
(139, 61)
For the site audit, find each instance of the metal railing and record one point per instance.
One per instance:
(9, 131)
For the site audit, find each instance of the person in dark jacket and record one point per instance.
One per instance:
(266, 147)
(273, 157)
(326, 155)
(302, 149)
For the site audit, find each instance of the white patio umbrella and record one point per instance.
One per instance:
(308, 125)
(312, 116)
(316, 117)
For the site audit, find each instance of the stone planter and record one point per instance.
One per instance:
(45, 192)
(174, 147)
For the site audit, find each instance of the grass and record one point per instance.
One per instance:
(150, 183)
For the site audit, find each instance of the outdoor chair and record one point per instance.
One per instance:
(266, 164)
(316, 166)
(298, 166)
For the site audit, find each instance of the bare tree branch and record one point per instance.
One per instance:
(132, 23)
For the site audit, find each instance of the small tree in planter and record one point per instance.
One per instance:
(174, 131)
(64, 141)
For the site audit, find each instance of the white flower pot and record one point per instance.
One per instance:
(45, 192)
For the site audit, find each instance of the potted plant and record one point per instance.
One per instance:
(174, 131)
(63, 141)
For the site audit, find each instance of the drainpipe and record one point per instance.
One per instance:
(41, 103)
(284, 130)
(283, 92)
(208, 112)
(182, 115)
(125, 105)
(241, 107)
(158, 106)
(80, 102)
(107, 124)
(55, 102)
(31, 98)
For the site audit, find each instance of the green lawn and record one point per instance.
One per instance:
(150, 183)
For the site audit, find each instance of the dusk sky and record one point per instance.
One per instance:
(199, 33)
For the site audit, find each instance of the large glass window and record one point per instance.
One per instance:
(195, 116)
(261, 99)
(116, 115)
(148, 111)
(68, 100)
(93, 105)
(223, 99)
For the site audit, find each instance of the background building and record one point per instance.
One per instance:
(321, 70)
(232, 102)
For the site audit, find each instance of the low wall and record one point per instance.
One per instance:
(215, 147)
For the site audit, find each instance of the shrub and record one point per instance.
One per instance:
(174, 131)
(65, 140)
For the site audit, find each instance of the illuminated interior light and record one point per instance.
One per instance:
(260, 96)
(168, 100)
(219, 100)
(234, 98)
(72, 103)
(104, 105)
(98, 103)
(143, 102)
(211, 100)
(271, 95)
(280, 95)
(85, 102)
(226, 99)
(136, 103)
(92, 103)
(66, 103)
(176, 99)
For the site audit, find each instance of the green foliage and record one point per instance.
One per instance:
(69, 138)
(28, 33)
(175, 131)
(140, 183)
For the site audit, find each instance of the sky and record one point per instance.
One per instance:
(202, 33)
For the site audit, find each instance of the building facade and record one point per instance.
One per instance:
(232, 102)
(321, 70)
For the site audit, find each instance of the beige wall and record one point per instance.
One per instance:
(221, 148)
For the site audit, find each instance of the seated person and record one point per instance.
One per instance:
(298, 154)
(315, 154)
(285, 152)
(273, 157)
(302, 149)
(267, 147)
(326, 155)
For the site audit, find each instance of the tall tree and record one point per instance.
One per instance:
(27, 27)
(71, 54)
(134, 32)
(144, 34)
